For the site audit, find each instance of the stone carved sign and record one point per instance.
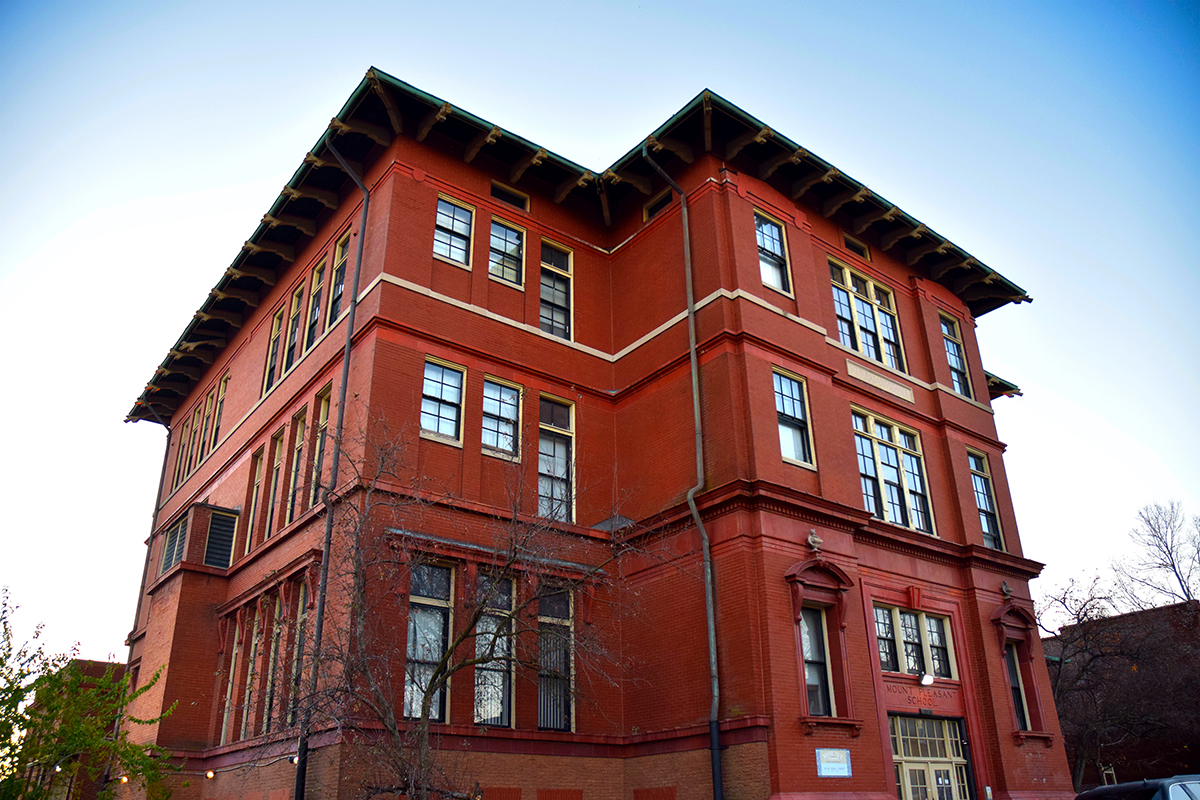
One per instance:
(942, 699)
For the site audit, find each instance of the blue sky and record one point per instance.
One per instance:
(1056, 141)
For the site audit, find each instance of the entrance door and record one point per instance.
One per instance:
(928, 758)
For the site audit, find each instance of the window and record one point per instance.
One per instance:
(203, 443)
(293, 328)
(929, 758)
(855, 246)
(1015, 685)
(216, 429)
(555, 316)
(181, 455)
(428, 636)
(276, 481)
(985, 501)
(175, 538)
(554, 460)
(954, 355)
(337, 281)
(256, 472)
(866, 317)
(555, 646)
(493, 649)
(793, 419)
(299, 642)
(501, 409)
(892, 473)
(295, 496)
(273, 351)
(230, 683)
(510, 196)
(912, 642)
(651, 209)
(441, 400)
(314, 306)
(816, 665)
(251, 667)
(219, 549)
(452, 232)
(506, 252)
(270, 684)
(772, 255)
(318, 459)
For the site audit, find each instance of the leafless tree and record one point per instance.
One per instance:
(1166, 567)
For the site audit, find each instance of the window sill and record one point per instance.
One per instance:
(451, 262)
(441, 438)
(1045, 737)
(778, 290)
(520, 287)
(503, 455)
(810, 724)
(802, 464)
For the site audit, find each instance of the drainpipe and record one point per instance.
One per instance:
(302, 744)
(714, 732)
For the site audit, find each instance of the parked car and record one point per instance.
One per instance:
(1180, 787)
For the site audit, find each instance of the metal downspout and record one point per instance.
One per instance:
(714, 733)
(302, 744)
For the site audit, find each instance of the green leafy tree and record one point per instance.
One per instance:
(60, 723)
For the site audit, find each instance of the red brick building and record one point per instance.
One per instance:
(524, 322)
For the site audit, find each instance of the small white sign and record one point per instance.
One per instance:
(833, 763)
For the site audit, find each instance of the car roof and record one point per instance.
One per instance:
(1140, 790)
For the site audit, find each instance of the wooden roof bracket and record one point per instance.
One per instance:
(939, 270)
(375, 133)
(203, 355)
(189, 347)
(389, 105)
(232, 317)
(674, 145)
(286, 252)
(267, 276)
(194, 373)
(566, 186)
(849, 196)
(889, 241)
(306, 226)
(481, 139)
(316, 161)
(433, 118)
(322, 196)
(249, 298)
(531, 160)
(773, 163)
(624, 176)
(860, 224)
(602, 190)
(707, 104)
(920, 251)
(800, 187)
(740, 142)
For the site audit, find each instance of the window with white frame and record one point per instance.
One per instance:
(555, 311)
(493, 652)
(337, 281)
(441, 400)
(316, 287)
(452, 232)
(772, 253)
(555, 656)
(814, 643)
(929, 758)
(430, 601)
(985, 500)
(294, 345)
(1016, 685)
(892, 472)
(275, 488)
(506, 252)
(269, 375)
(318, 455)
(794, 443)
(256, 475)
(501, 412)
(913, 642)
(555, 446)
(295, 500)
(955, 356)
(866, 316)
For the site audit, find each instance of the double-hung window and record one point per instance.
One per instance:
(273, 351)
(866, 316)
(277, 478)
(814, 643)
(220, 407)
(501, 412)
(772, 253)
(293, 348)
(493, 653)
(555, 313)
(1016, 685)
(985, 500)
(555, 648)
(452, 232)
(441, 400)
(337, 281)
(955, 356)
(794, 441)
(295, 501)
(506, 252)
(256, 475)
(428, 636)
(318, 456)
(555, 440)
(891, 472)
(913, 642)
(316, 286)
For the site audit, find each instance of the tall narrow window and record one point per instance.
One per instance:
(555, 460)
(256, 474)
(816, 664)
(555, 313)
(299, 642)
(295, 496)
(270, 686)
(273, 351)
(441, 400)
(216, 429)
(1011, 665)
(318, 458)
(772, 255)
(555, 646)
(227, 715)
(493, 652)
(185, 439)
(452, 232)
(506, 252)
(913, 642)
(194, 443)
(208, 406)
(985, 501)
(251, 676)
(317, 284)
(293, 328)
(955, 357)
(501, 404)
(793, 419)
(337, 281)
(175, 539)
(866, 317)
(276, 482)
(428, 632)
(891, 472)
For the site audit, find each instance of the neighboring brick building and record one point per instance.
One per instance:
(871, 597)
